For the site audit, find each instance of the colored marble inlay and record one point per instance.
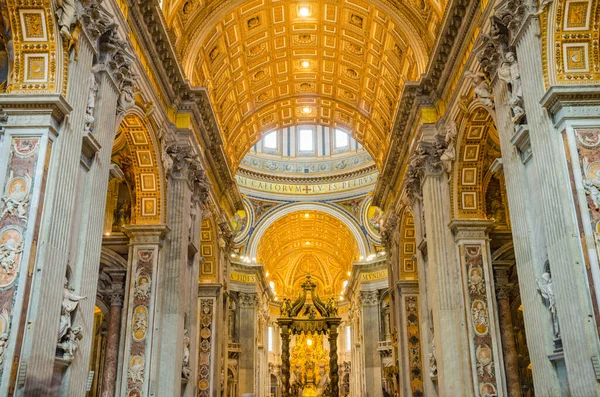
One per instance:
(14, 216)
(204, 348)
(414, 345)
(479, 318)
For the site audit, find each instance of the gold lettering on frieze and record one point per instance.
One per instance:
(242, 278)
(306, 189)
(379, 275)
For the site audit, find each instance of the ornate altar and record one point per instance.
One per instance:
(317, 320)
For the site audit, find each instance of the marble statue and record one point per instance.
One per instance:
(332, 307)
(135, 373)
(69, 304)
(433, 371)
(323, 382)
(481, 88)
(547, 292)
(70, 342)
(186, 369)
(91, 103)
(16, 198)
(510, 73)
(65, 12)
(8, 255)
(476, 282)
(142, 285)
(449, 154)
(592, 187)
(3, 344)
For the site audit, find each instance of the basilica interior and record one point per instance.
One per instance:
(286, 198)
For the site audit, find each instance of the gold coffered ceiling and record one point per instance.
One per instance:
(303, 242)
(268, 66)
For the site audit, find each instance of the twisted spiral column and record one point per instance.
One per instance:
(285, 361)
(333, 361)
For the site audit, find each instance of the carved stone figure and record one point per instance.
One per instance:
(186, 369)
(69, 304)
(547, 292)
(592, 187)
(142, 285)
(323, 382)
(91, 103)
(70, 342)
(485, 364)
(433, 371)
(140, 323)
(8, 255)
(16, 197)
(476, 282)
(449, 154)
(332, 307)
(65, 12)
(135, 372)
(481, 88)
(510, 73)
(3, 344)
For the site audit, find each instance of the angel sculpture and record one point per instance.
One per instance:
(481, 88)
(547, 292)
(286, 307)
(69, 304)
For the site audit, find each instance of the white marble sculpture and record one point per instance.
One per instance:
(91, 103)
(142, 285)
(65, 12)
(449, 154)
(17, 199)
(433, 371)
(70, 342)
(8, 255)
(547, 292)
(135, 372)
(481, 88)
(186, 369)
(510, 73)
(69, 304)
(3, 344)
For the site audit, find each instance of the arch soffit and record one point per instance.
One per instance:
(467, 187)
(150, 206)
(269, 219)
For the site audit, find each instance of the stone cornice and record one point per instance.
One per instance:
(147, 20)
(146, 234)
(407, 286)
(438, 72)
(56, 104)
(209, 289)
(560, 101)
(471, 229)
(282, 178)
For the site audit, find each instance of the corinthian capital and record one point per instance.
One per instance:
(426, 160)
(199, 183)
(369, 298)
(390, 227)
(248, 300)
(178, 161)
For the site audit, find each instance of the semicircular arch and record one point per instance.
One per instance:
(144, 168)
(268, 220)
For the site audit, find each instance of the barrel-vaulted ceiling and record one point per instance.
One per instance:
(307, 242)
(269, 64)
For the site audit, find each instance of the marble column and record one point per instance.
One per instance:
(445, 297)
(178, 276)
(372, 371)
(472, 239)
(248, 303)
(145, 257)
(509, 347)
(111, 349)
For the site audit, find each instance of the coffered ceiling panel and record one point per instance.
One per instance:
(269, 64)
(303, 242)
